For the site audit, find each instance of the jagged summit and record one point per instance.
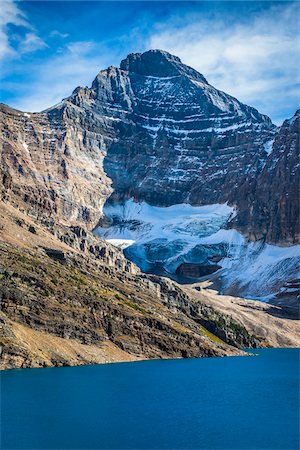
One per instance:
(152, 60)
(158, 63)
(297, 113)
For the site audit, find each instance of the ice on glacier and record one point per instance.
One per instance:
(142, 222)
(165, 237)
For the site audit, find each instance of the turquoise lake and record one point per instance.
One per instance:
(214, 403)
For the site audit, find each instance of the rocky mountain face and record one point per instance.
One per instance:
(268, 205)
(152, 126)
(183, 137)
(52, 166)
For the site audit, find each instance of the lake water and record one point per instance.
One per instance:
(215, 403)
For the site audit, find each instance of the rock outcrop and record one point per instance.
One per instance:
(195, 271)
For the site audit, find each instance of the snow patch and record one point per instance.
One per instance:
(161, 78)
(292, 120)
(230, 237)
(121, 243)
(164, 235)
(268, 146)
(260, 270)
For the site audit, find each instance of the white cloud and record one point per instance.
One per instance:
(80, 48)
(11, 14)
(31, 43)
(256, 61)
(56, 33)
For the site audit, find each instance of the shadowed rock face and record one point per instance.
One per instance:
(153, 129)
(190, 270)
(182, 135)
(269, 205)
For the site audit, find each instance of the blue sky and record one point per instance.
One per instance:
(248, 49)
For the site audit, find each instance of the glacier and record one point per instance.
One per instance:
(161, 239)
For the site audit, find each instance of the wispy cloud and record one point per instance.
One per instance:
(256, 60)
(45, 81)
(31, 43)
(75, 63)
(56, 33)
(10, 15)
(13, 44)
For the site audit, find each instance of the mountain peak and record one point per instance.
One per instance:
(153, 61)
(158, 63)
(292, 120)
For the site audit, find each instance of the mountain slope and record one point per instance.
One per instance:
(68, 298)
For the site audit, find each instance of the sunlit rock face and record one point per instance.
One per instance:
(52, 164)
